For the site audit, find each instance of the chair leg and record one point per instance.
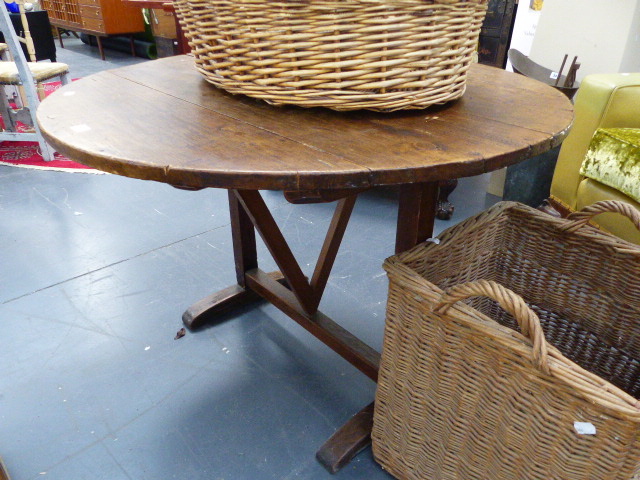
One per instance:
(46, 150)
(100, 47)
(64, 78)
(59, 32)
(5, 111)
(40, 91)
(13, 94)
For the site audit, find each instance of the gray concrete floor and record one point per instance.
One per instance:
(95, 272)
(85, 59)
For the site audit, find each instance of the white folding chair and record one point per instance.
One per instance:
(26, 74)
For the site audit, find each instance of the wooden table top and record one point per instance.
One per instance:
(162, 121)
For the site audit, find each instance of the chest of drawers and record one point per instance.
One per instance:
(94, 17)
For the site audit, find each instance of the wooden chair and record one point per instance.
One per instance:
(525, 66)
(19, 72)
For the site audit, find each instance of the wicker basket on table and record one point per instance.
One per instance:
(537, 377)
(342, 54)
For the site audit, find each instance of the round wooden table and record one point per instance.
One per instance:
(162, 121)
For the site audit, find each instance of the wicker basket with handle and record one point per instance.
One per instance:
(342, 54)
(500, 390)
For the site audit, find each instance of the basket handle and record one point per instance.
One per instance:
(585, 215)
(509, 301)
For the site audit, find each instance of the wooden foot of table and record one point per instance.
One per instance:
(209, 308)
(348, 441)
(4, 475)
(355, 435)
(299, 297)
(341, 341)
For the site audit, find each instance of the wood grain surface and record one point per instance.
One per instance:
(162, 121)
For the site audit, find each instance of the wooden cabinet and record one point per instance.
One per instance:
(495, 34)
(95, 17)
(165, 32)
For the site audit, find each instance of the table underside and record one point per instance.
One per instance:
(298, 297)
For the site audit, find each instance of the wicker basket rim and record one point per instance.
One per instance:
(588, 385)
(345, 3)
(591, 232)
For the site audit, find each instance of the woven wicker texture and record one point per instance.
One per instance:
(463, 392)
(348, 54)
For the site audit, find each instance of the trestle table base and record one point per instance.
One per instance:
(291, 292)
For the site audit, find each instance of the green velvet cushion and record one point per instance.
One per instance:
(613, 159)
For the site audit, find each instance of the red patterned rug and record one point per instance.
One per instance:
(26, 154)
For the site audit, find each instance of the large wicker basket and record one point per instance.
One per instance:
(342, 54)
(463, 395)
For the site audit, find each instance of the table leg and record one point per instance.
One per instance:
(4, 474)
(132, 45)
(416, 214)
(246, 258)
(299, 298)
(100, 47)
(416, 217)
(291, 292)
(59, 32)
(353, 437)
(211, 308)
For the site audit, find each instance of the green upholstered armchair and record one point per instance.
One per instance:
(609, 101)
